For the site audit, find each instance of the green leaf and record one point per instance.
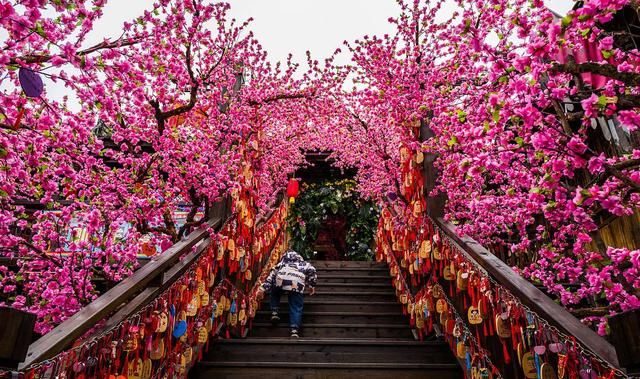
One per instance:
(496, 115)
(452, 141)
(566, 20)
(519, 140)
(462, 116)
(602, 101)
(39, 29)
(467, 26)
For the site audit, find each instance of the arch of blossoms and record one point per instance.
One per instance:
(504, 100)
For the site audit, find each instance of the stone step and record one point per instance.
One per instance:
(353, 271)
(338, 317)
(331, 370)
(339, 278)
(348, 264)
(353, 327)
(327, 350)
(334, 330)
(347, 296)
(312, 304)
(354, 287)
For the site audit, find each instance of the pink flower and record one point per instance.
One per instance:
(630, 119)
(606, 43)
(596, 164)
(576, 145)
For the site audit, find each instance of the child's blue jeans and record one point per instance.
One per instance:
(296, 302)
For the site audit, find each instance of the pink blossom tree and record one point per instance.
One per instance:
(174, 113)
(519, 169)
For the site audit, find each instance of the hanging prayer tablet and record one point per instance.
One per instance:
(134, 370)
(461, 350)
(503, 328)
(474, 316)
(529, 366)
(157, 350)
(147, 366)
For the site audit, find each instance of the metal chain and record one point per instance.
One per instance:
(97, 337)
(541, 321)
(468, 333)
(459, 319)
(59, 357)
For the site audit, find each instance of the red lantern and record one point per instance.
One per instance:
(292, 189)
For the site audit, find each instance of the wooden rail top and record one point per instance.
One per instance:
(530, 296)
(150, 275)
(136, 291)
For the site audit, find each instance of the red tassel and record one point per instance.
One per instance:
(505, 352)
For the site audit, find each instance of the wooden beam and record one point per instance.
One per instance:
(530, 296)
(130, 308)
(435, 204)
(275, 205)
(171, 275)
(75, 326)
(16, 329)
(625, 334)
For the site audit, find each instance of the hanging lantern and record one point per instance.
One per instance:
(292, 190)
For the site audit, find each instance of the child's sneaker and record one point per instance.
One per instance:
(274, 317)
(294, 333)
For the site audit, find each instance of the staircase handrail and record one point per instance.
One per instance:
(136, 294)
(141, 286)
(530, 296)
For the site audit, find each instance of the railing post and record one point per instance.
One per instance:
(625, 337)
(16, 331)
(220, 209)
(435, 204)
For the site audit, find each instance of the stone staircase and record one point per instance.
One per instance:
(353, 328)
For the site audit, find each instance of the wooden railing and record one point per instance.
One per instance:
(530, 296)
(131, 294)
(525, 292)
(156, 288)
(528, 306)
